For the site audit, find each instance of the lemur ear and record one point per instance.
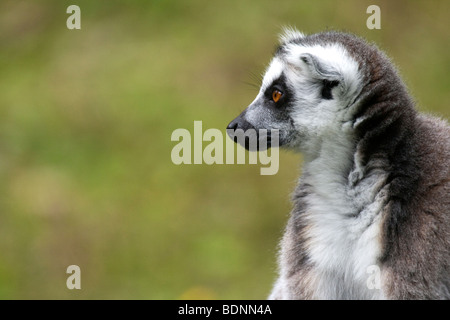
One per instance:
(320, 69)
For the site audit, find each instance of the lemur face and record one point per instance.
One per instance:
(305, 94)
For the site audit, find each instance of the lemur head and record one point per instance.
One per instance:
(310, 88)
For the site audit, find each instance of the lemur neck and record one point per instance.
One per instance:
(338, 182)
(331, 158)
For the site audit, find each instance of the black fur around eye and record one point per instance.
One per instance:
(327, 85)
(278, 94)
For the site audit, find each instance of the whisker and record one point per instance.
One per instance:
(251, 84)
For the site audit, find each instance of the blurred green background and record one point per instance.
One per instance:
(85, 127)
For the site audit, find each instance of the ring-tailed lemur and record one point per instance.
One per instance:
(375, 189)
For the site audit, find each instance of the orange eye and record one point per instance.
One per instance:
(276, 95)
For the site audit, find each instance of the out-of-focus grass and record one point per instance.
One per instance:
(85, 126)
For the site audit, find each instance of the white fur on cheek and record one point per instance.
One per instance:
(313, 116)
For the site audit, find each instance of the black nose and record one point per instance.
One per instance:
(240, 123)
(233, 125)
(243, 137)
